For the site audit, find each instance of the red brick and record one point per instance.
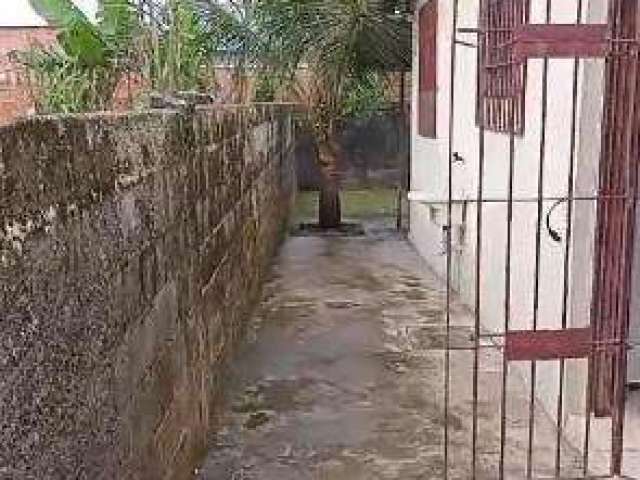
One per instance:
(15, 100)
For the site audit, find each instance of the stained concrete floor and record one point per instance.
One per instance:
(343, 377)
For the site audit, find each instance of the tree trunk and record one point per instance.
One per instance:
(330, 215)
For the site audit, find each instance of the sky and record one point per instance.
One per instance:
(19, 12)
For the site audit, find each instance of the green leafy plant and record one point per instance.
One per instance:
(60, 84)
(266, 87)
(83, 70)
(171, 47)
(365, 95)
(182, 51)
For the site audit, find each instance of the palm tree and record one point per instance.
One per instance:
(342, 43)
(338, 44)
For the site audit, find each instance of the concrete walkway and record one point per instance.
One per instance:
(343, 376)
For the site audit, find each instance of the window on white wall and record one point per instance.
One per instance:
(427, 69)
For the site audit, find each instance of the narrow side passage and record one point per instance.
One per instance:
(343, 376)
(329, 387)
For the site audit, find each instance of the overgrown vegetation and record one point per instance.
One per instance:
(60, 83)
(82, 71)
(170, 49)
(182, 51)
(333, 56)
(366, 96)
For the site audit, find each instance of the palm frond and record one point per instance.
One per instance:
(119, 25)
(346, 45)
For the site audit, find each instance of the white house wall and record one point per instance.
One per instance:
(430, 176)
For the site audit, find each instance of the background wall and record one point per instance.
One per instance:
(132, 248)
(374, 152)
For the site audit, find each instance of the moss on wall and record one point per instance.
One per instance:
(131, 250)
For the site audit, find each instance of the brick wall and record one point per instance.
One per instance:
(132, 248)
(15, 100)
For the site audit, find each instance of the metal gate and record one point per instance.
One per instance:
(505, 43)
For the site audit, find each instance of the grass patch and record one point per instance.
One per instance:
(356, 204)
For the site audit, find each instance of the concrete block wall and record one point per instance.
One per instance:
(132, 248)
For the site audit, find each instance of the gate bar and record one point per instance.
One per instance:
(480, 193)
(447, 380)
(622, 326)
(567, 246)
(599, 264)
(536, 280)
(602, 375)
(507, 299)
(615, 177)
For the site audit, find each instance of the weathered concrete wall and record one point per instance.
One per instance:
(132, 248)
